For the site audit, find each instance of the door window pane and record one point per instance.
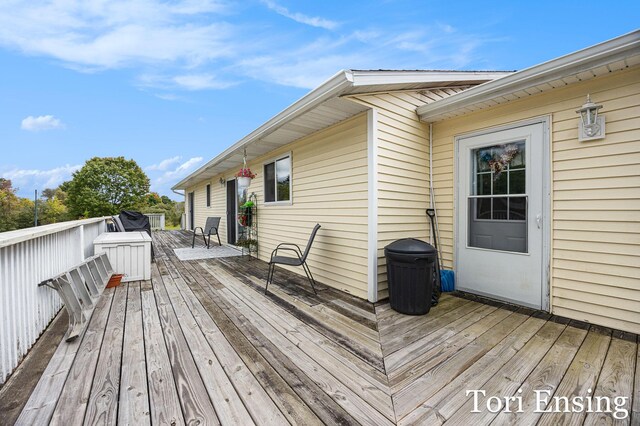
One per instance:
(483, 184)
(517, 181)
(518, 208)
(500, 183)
(500, 208)
(484, 208)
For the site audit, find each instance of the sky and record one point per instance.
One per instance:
(171, 84)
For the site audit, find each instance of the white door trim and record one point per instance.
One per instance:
(546, 198)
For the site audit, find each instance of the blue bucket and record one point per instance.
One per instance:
(447, 280)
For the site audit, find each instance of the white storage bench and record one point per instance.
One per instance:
(129, 253)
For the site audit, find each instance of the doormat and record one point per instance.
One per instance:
(198, 253)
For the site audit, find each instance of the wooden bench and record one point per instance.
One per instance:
(79, 288)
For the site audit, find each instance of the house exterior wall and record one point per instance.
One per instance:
(403, 168)
(329, 186)
(595, 199)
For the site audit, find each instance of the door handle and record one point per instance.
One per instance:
(539, 220)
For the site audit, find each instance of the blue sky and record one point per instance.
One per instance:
(173, 83)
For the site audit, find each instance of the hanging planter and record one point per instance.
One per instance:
(245, 174)
(244, 182)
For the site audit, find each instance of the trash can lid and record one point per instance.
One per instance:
(410, 246)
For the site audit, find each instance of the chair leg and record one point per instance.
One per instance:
(204, 239)
(219, 243)
(193, 240)
(309, 276)
(269, 277)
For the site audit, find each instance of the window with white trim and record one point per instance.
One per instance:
(277, 180)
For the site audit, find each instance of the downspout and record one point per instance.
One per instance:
(432, 196)
(430, 173)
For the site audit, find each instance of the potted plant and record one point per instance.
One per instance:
(248, 243)
(246, 213)
(244, 177)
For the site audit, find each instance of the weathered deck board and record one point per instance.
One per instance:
(581, 377)
(545, 377)
(317, 401)
(220, 366)
(77, 389)
(616, 378)
(326, 372)
(163, 395)
(133, 406)
(42, 402)
(197, 406)
(102, 407)
(201, 343)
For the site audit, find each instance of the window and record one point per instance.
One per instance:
(277, 180)
(499, 184)
(208, 195)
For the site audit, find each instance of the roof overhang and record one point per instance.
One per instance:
(325, 106)
(613, 55)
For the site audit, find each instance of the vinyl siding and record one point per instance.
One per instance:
(329, 186)
(595, 196)
(403, 168)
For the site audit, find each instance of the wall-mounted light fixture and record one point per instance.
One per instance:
(222, 181)
(591, 124)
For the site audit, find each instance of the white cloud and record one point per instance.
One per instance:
(178, 172)
(112, 34)
(29, 179)
(41, 122)
(164, 164)
(301, 18)
(200, 82)
(189, 82)
(189, 45)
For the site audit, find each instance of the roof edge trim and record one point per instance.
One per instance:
(581, 60)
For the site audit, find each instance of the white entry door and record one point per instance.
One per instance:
(500, 223)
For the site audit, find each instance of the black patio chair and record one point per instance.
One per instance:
(210, 228)
(299, 260)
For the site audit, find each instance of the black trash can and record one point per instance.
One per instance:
(410, 271)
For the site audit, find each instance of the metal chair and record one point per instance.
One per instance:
(210, 228)
(299, 260)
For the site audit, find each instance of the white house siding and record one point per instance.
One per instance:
(595, 274)
(403, 168)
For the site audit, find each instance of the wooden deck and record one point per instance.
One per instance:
(201, 344)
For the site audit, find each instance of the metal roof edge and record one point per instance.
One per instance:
(377, 77)
(590, 57)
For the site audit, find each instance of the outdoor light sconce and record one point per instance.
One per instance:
(591, 124)
(222, 181)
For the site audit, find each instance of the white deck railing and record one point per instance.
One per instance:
(27, 257)
(156, 220)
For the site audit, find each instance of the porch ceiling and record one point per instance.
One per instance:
(324, 115)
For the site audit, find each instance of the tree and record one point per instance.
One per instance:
(105, 186)
(9, 203)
